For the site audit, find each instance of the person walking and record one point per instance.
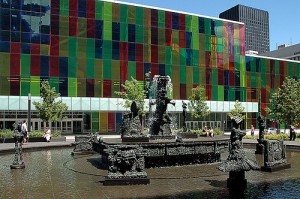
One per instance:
(24, 131)
(292, 133)
(252, 130)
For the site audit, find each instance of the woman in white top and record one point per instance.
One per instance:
(47, 134)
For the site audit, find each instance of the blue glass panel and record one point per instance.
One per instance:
(4, 46)
(161, 69)
(45, 39)
(115, 50)
(189, 56)
(237, 78)
(237, 95)
(188, 39)
(248, 66)
(4, 19)
(201, 25)
(118, 121)
(5, 3)
(81, 8)
(116, 31)
(131, 51)
(15, 36)
(226, 77)
(98, 29)
(175, 20)
(16, 4)
(25, 48)
(98, 49)
(131, 32)
(63, 67)
(25, 37)
(36, 38)
(226, 93)
(63, 86)
(212, 23)
(44, 70)
(4, 35)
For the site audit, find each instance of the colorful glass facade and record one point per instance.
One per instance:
(88, 48)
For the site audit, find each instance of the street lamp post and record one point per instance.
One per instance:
(29, 112)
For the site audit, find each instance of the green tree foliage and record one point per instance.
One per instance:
(285, 103)
(197, 104)
(135, 90)
(237, 110)
(50, 109)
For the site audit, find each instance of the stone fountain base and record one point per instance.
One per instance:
(237, 180)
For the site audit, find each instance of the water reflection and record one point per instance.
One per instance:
(56, 174)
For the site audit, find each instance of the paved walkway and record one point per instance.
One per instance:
(9, 147)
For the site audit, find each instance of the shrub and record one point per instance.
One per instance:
(277, 136)
(6, 133)
(199, 131)
(56, 133)
(248, 137)
(36, 134)
(218, 131)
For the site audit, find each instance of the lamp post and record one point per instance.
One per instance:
(29, 112)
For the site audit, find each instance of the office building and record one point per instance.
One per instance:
(285, 52)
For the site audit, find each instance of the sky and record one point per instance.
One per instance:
(284, 16)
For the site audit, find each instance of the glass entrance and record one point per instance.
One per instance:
(77, 126)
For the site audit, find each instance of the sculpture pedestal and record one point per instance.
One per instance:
(260, 148)
(276, 168)
(237, 180)
(125, 181)
(18, 166)
(135, 139)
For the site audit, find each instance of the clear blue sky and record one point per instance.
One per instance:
(284, 16)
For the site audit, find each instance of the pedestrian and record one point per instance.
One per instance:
(47, 134)
(252, 130)
(24, 131)
(292, 133)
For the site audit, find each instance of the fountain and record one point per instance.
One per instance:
(18, 137)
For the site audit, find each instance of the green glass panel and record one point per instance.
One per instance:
(182, 56)
(263, 80)
(64, 7)
(107, 33)
(175, 37)
(161, 36)
(231, 93)
(107, 11)
(124, 13)
(236, 46)
(253, 64)
(207, 27)
(188, 23)
(107, 50)
(99, 10)
(253, 79)
(182, 74)
(81, 51)
(207, 43)
(195, 41)
(262, 66)
(4, 85)
(243, 94)
(290, 69)
(139, 34)
(25, 65)
(168, 70)
(220, 93)
(25, 88)
(81, 27)
(90, 67)
(237, 62)
(196, 77)
(215, 93)
(63, 46)
(219, 28)
(72, 47)
(168, 55)
(219, 45)
(175, 56)
(5, 63)
(195, 58)
(161, 54)
(81, 69)
(35, 85)
(131, 14)
(124, 32)
(72, 87)
(214, 72)
(107, 69)
(72, 67)
(139, 16)
(95, 122)
(131, 70)
(90, 48)
(161, 18)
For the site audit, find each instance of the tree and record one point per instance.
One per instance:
(50, 109)
(237, 111)
(197, 104)
(284, 104)
(136, 91)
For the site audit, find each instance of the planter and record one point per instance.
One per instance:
(7, 140)
(34, 139)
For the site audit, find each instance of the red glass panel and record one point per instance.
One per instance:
(89, 87)
(208, 75)
(54, 24)
(209, 92)
(181, 22)
(182, 91)
(140, 71)
(73, 26)
(231, 78)
(220, 60)
(90, 9)
(154, 69)
(54, 63)
(242, 39)
(15, 47)
(168, 20)
(220, 76)
(263, 95)
(263, 109)
(55, 7)
(182, 40)
(15, 88)
(35, 65)
(111, 118)
(231, 62)
(154, 53)
(107, 91)
(73, 10)
(54, 45)
(281, 71)
(35, 49)
(207, 59)
(123, 70)
(14, 64)
(168, 37)
(90, 28)
(123, 51)
(139, 54)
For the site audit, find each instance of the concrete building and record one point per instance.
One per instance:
(256, 26)
(286, 52)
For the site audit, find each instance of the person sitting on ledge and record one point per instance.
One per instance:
(47, 134)
(210, 132)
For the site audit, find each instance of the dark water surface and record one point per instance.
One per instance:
(56, 174)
